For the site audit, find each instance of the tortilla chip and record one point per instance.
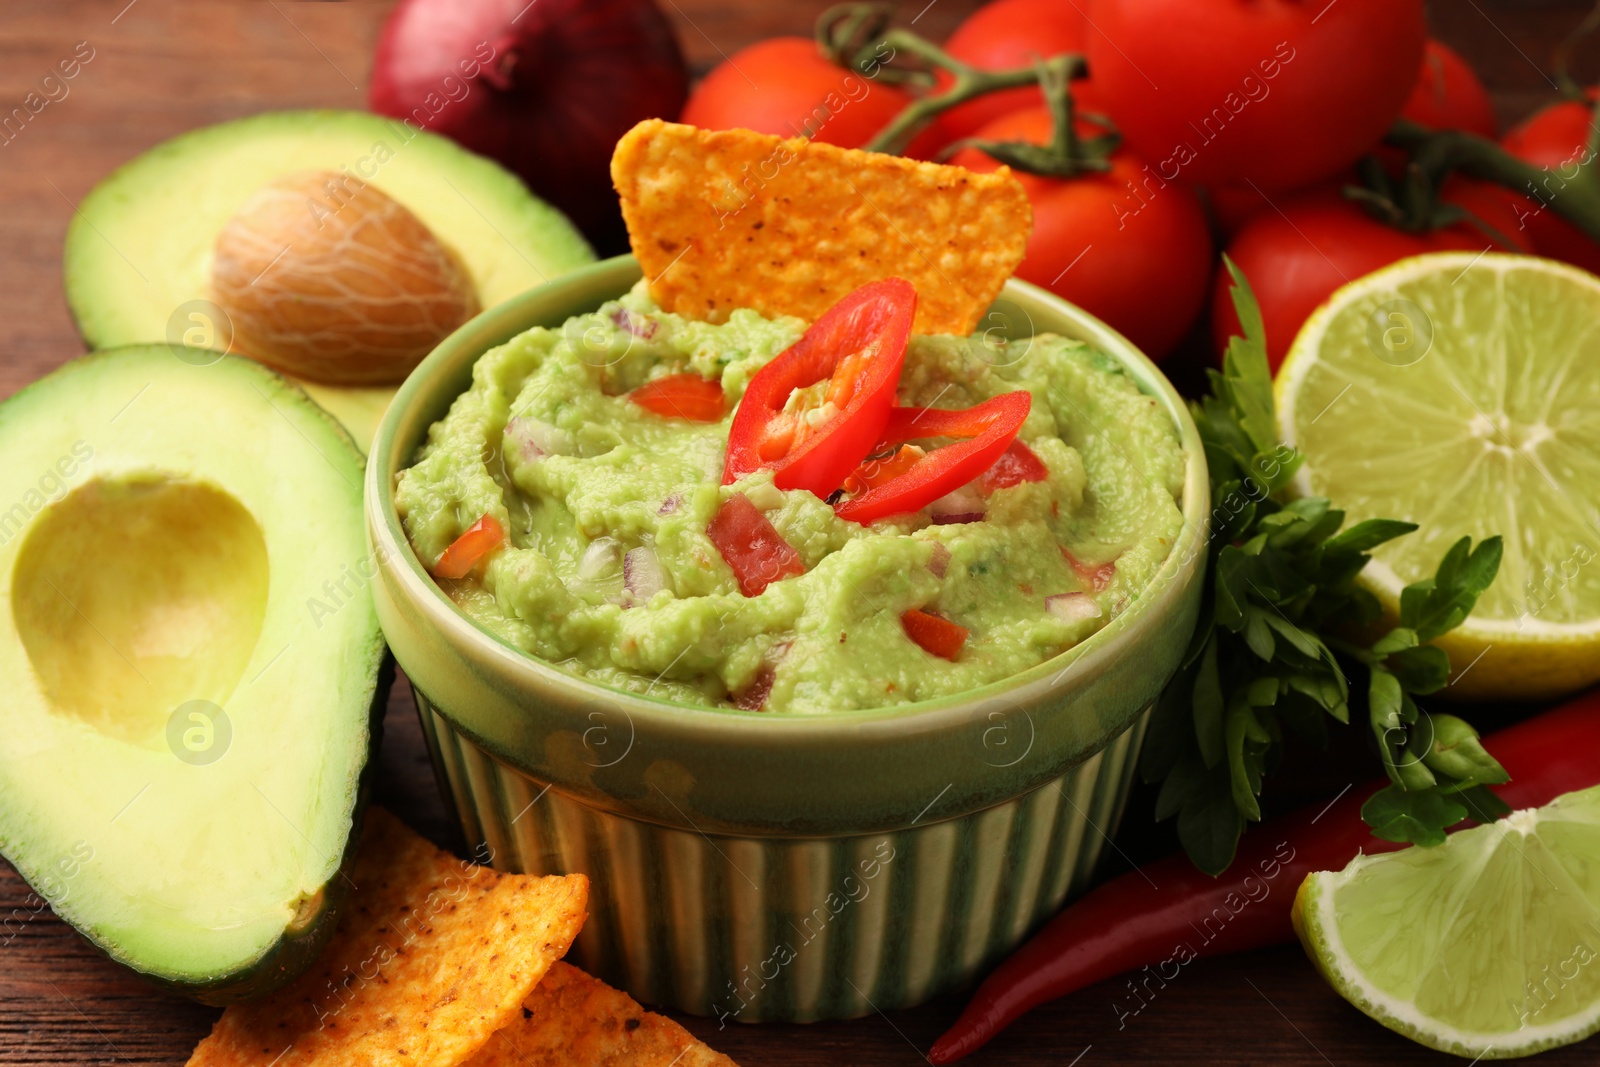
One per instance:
(723, 219)
(432, 956)
(573, 1020)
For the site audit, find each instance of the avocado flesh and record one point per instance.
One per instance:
(166, 531)
(139, 247)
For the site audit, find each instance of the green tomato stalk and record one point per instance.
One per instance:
(858, 36)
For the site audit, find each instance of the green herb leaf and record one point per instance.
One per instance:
(1413, 818)
(1208, 704)
(1273, 648)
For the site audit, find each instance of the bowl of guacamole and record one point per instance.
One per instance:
(815, 748)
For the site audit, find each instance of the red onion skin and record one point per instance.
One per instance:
(567, 79)
(947, 520)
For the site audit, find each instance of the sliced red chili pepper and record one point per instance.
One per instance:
(858, 346)
(464, 553)
(934, 633)
(751, 546)
(682, 396)
(988, 428)
(1017, 464)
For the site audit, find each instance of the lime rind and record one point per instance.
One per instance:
(1487, 947)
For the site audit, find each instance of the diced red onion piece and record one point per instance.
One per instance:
(669, 505)
(939, 560)
(638, 325)
(599, 559)
(960, 505)
(754, 696)
(535, 438)
(641, 572)
(1072, 607)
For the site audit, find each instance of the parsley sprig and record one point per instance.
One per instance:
(1280, 647)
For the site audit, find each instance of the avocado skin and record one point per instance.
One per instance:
(295, 952)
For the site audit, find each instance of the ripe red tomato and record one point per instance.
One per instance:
(1448, 94)
(1001, 35)
(1556, 139)
(1123, 245)
(1297, 254)
(1276, 92)
(784, 86)
(1232, 206)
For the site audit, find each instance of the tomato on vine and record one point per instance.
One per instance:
(1278, 93)
(785, 86)
(1121, 243)
(1557, 139)
(1001, 34)
(1297, 254)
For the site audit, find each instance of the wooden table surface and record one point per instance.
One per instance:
(161, 67)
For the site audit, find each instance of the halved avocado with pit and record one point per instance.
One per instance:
(194, 671)
(139, 249)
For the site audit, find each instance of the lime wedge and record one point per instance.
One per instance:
(1486, 947)
(1462, 392)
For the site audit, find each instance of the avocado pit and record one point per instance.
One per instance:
(325, 277)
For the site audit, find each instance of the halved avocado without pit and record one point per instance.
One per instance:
(140, 250)
(193, 667)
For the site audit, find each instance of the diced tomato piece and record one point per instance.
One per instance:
(985, 430)
(874, 472)
(465, 552)
(934, 633)
(751, 546)
(858, 347)
(1095, 575)
(1017, 464)
(682, 396)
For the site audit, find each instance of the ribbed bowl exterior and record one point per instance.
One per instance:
(794, 929)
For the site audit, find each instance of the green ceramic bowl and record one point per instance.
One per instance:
(755, 866)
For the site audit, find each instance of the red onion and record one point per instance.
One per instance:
(535, 438)
(1072, 607)
(546, 88)
(642, 573)
(641, 326)
(959, 505)
(599, 560)
(669, 505)
(939, 560)
(754, 696)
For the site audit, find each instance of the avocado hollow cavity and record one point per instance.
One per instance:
(137, 594)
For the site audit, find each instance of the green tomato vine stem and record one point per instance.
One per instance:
(1572, 191)
(857, 36)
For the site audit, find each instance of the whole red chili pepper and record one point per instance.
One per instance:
(1169, 913)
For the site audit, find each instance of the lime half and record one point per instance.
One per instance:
(1486, 947)
(1462, 392)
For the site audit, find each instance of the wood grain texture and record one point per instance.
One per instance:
(161, 67)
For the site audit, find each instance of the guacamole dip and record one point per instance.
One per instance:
(610, 573)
